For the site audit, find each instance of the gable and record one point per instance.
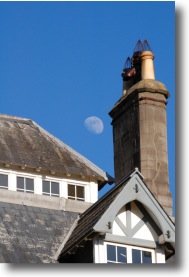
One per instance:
(136, 190)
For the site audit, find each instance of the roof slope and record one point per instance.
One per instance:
(24, 143)
(90, 217)
(30, 234)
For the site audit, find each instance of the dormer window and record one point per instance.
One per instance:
(76, 192)
(25, 184)
(3, 181)
(51, 188)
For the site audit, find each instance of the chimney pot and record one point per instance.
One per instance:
(147, 65)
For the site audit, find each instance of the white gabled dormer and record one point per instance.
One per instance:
(127, 225)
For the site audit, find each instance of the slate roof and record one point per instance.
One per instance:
(24, 143)
(31, 234)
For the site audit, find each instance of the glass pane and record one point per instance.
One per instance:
(29, 184)
(71, 190)
(46, 186)
(147, 257)
(136, 256)
(55, 188)
(4, 180)
(121, 254)
(111, 253)
(80, 191)
(20, 182)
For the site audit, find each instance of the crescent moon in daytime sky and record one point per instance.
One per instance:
(94, 125)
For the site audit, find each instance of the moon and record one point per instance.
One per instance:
(94, 125)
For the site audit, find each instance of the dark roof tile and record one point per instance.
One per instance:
(31, 236)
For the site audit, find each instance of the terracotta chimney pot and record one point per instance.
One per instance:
(147, 65)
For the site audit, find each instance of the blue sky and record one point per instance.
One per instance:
(61, 62)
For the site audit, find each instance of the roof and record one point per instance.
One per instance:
(31, 234)
(24, 143)
(95, 218)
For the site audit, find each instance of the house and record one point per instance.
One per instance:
(48, 192)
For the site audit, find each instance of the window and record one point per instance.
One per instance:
(25, 184)
(128, 254)
(116, 254)
(51, 188)
(3, 181)
(141, 257)
(76, 192)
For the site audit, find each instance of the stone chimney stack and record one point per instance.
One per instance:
(139, 126)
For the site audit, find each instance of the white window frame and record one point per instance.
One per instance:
(75, 197)
(50, 193)
(24, 189)
(5, 187)
(129, 251)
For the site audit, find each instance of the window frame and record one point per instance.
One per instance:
(5, 187)
(129, 249)
(50, 188)
(25, 184)
(82, 199)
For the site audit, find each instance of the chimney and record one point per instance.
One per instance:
(139, 126)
